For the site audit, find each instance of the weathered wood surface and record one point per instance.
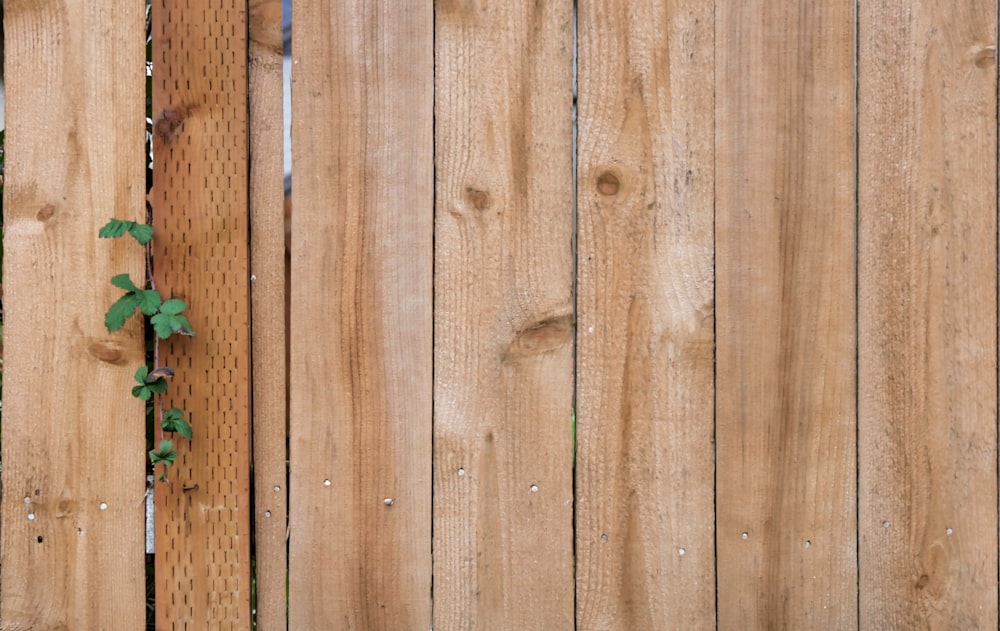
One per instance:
(200, 212)
(927, 315)
(361, 354)
(73, 436)
(268, 293)
(645, 420)
(786, 338)
(503, 492)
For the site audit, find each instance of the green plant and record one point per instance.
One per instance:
(166, 318)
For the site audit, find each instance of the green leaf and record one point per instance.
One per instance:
(149, 301)
(173, 421)
(173, 306)
(114, 228)
(124, 281)
(146, 389)
(143, 233)
(164, 454)
(120, 311)
(166, 324)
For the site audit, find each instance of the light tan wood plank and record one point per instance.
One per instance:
(645, 360)
(361, 362)
(73, 436)
(927, 315)
(268, 294)
(200, 253)
(503, 498)
(785, 238)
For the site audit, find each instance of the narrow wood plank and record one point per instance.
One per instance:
(268, 325)
(73, 436)
(927, 315)
(645, 519)
(786, 456)
(200, 214)
(361, 363)
(503, 495)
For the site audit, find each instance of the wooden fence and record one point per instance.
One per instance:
(617, 314)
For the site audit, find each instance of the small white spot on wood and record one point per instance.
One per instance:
(267, 513)
(277, 489)
(948, 531)
(388, 501)
(604, 537)
(461, 472)
(327, 483)
(31, 517)
(103, 506)
(681, 551)
(27, 500)
(744, 536)
(807, 544)
(885, 524)
(253, 277)
(534, 488)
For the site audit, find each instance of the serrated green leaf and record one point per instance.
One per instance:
(149, 301)
(123, 281)
(173, 306)
(140, 374)
(142, 392)
(159, 386)
(173, 421)
(120, 311)
(164, 454)
(143, 233)
(166, 325)
(114, 228)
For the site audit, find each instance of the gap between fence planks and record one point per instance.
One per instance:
(503, 498)
(785, 257)
(644, 469)
(268, 324)
(361, 347)
(200, 215)
(73, 435)
(927, 315)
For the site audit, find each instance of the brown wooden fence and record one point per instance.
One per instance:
(617, 314)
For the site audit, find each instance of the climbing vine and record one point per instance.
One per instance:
(166, 318)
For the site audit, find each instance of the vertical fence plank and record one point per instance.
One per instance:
(73, 436)
(786, 319)
(361, 315)
(503, 316)
(645, 418)
(268, 325)
(927, 315)
(200, 214)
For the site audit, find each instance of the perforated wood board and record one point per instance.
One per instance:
(200, 215)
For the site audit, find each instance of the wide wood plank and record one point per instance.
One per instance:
(268, 293)
(200, 254)
(645, 361)
(927, 315)
(361, 353)
(786, 315)
(503, 493)
(73, 436)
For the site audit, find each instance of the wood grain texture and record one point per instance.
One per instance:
(200, 213)
(927, 315)
(268, 326)
(361, 363)
(73, 435)
(785, 304)
(645, 359)
(503, 498)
